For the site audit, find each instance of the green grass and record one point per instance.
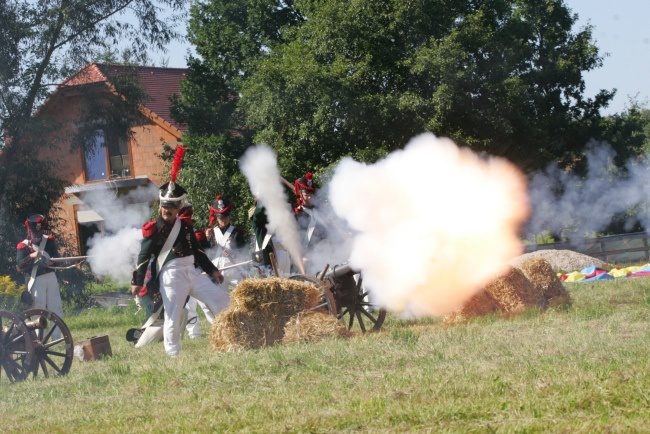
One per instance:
(582, 370)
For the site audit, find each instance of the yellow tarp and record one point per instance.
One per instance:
(576, 276)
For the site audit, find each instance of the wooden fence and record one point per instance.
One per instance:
(614, 249)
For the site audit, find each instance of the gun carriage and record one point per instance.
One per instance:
(343, 295)
(32, 341)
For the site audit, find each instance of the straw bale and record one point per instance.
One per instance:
(481, 303)
(286, 296)
(541, 274)
(259, 311)
(514, 292)
(312, 326)
(236, 329)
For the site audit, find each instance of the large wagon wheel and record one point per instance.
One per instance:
(326, 300)
(355, 305)
(53, 345)
(17, 356)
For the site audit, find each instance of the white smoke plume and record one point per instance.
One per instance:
(114, 253)
(575, 206)
(336, 248)
(259, 165)
(435, 223)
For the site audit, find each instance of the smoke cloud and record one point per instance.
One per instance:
(577, 206)
(434, 223)
(114, 253)
(259, 165)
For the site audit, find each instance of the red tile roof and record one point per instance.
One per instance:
(159, 83)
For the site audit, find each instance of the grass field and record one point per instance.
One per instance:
(581, 370)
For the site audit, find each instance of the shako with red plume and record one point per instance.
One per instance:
(221, 207)
(173, 195)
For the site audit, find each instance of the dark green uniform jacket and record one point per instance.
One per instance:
(155, 234)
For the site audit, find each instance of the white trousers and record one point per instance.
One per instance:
(46, 293)
(178, 279)
(155, 333)
(193, 328)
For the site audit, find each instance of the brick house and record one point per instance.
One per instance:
(114, 166)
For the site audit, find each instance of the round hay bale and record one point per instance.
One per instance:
(481, 303)
(541, 274)
(514, 292)
(312, 326)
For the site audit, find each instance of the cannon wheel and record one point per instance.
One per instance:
(55, 353)
(326, 300)
(355, 305)
(17, 355)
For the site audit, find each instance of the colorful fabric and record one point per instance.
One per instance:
(592, 273)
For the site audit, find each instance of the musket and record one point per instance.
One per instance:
(287, 183)
(69, 258)
(228, 267)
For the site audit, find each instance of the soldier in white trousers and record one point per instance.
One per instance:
(170, 239)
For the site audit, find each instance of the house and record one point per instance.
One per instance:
(110, 166)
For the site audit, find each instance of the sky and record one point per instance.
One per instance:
(621, 33)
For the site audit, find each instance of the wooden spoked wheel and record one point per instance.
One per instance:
(326, 300)
(346, 298)
(17, 355)
(53, 346)
(355, 306)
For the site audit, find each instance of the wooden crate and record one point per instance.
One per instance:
(95, 348)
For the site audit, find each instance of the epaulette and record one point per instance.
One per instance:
(21, 245)
(148, 229)
(298, 209)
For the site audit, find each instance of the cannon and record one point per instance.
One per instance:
(32, 341)
(343, 295)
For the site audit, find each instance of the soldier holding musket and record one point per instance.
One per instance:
(34, 259)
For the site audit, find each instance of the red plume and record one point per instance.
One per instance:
(178, 161)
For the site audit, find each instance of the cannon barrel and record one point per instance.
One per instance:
(339, 271)
(40, 322)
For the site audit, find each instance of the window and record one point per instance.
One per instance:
(107, 158)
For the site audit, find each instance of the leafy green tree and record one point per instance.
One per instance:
(227, 38)
(318, 80)
(41, 44)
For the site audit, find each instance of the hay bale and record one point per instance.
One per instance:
(285, 296)
(259, 311)
(513, 292)
(481, 303)
(236, 329)
(312, 326)
(541, 274)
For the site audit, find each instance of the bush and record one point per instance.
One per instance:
(10, 293)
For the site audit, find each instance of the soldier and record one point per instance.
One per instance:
(171, 241)
(33, 259)
(312, 223)
(267, 243)
(227, 242)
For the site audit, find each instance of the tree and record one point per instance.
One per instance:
(318, 80)
(41, 44)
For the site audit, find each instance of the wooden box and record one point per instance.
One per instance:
(95, 348)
